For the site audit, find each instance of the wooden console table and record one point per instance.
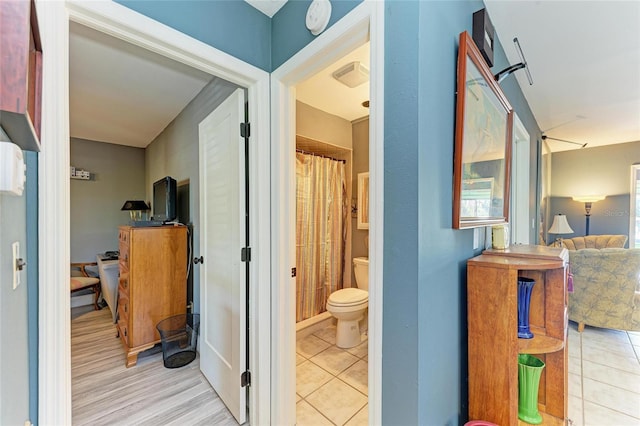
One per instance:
(493, 325)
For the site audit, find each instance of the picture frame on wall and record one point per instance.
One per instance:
(482, 151)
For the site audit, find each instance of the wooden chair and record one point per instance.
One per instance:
(80, 280)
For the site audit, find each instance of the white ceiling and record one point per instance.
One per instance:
(268, 7)
(123, 94)
(584, 57)
(325, 93)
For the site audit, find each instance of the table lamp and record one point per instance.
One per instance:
(135, 208)
(560, 226)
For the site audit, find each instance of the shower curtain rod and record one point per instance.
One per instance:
(320, 155)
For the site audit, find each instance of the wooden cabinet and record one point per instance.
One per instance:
(20, 73)
(152, 284)
(493, 331)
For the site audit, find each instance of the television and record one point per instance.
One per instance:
(164, 199)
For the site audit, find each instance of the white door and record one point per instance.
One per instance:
(520, 225)
(222, 237)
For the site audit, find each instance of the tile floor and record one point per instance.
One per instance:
(331, 383)
(604, 377)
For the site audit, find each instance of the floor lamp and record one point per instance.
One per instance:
(560, 226)
(588, 201)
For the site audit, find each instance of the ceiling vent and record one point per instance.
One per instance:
(353, 74)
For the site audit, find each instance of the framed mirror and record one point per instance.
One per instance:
(482, 153)
(363, 201)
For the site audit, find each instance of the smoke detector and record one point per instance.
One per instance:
(353, 74)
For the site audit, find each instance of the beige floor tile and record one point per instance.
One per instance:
(334, 360)
(327, 334)
(574, 350)
(575, 385)
(605, 374)
(629, 364)
(361, 418)
(300, 359)
(357, 376)
(617, 348)
(597, 415)
(604, 335)
(337, 401)
(361, 350)
(575, 410)
(575, 365)
(310, 346)
(310, 377)
(610, 397)
(306, 415)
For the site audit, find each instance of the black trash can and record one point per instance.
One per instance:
(179, 336)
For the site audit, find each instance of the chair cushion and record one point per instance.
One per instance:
(595, 242)
(78, 283)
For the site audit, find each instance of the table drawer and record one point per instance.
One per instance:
(123, 329)
(123, 284)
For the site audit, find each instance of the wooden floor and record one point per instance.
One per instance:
(106, 393)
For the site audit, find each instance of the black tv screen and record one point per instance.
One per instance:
(164, 199)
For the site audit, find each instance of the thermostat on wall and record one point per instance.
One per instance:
(12, 169)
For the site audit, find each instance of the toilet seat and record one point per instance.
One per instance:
(348, 297)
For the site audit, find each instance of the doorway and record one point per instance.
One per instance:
(114, 19)
(363, 24)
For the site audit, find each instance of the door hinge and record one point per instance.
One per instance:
(293, 272)
(245, 130)
(245, 254)
(245, 379)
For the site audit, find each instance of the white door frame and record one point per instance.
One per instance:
(364, 22)
(54, 373)
(520, 160)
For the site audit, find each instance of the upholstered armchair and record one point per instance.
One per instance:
(606, 288)
(595, 241)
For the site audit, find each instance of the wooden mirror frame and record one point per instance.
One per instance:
(498, 147)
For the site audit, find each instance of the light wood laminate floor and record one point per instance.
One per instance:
(105, 392)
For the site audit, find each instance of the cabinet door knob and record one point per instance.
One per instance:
(197, 260)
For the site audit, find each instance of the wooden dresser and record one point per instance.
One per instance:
(152, 284)
(492, 302)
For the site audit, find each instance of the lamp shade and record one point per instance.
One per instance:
(135, 205)
(560, 225)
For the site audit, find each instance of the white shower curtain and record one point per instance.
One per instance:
(321, 214)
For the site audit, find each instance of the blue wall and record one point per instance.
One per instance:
(232, 26)
(289, 32)
(425, 260)
(31, 194)
(401, 379)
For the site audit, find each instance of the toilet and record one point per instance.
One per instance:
(348, 305)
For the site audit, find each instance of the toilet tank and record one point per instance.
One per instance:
(361, 270)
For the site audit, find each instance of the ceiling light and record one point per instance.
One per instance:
(353, 74)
